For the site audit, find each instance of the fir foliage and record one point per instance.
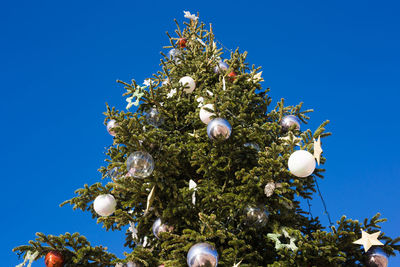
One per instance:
(230, 176)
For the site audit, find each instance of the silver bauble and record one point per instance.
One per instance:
(377, 258)
(140, 164)
(202, 255)
(290, 120)
(159, 227)
(221, 66)
(153, 117)
(257, 216)
(219, 129)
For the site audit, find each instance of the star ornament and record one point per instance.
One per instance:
(189, 16)
(278, 244)
(368, 240)
(317, 149)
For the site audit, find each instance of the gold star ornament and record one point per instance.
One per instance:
(317, 149)
(368, 240)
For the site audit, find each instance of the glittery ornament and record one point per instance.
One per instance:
(110, 125)
(376, 257)
(159, 227)
(188, 83)
(301, 163)
(182, 42)
(202, 255)
(54, 259)
(269, 189)
(222, 66)
(257, 216)
(205, 115)
(153, 117)
(288, 121)
(140, 164)
(104, 205)
(219, 129)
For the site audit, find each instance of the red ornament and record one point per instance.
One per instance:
(54, 259)
(232, 76)
(182, 42)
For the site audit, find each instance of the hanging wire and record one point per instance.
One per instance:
(309, 208)
(323, 203)
(224, 47)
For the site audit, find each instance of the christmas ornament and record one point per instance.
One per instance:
(291, 140)
(278, 244)
(269, 189)
(159, 227)
(189, 16)
(257, 216)
(29, 258)
(113, 173)
(232, 76)
(237, 264)
(317, 149)
(175, 55)
(137, 94)
(202, 255)
(153, 117)
(182, 42)
(171, 93)
(54, 259)
(129, 264)
(254, 146)
(104, 205)
(256, 78)
(140, 164)
(369, 240)
(193, 185)
(133, 230)
(188, 83)
(301, 163)
(377, 258)
(222, 66)
(110, 125)
(150, 199)
(290, 120)
(205, 115)
(219, 129)
(148, 82)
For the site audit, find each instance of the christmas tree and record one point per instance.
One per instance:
(206, 172)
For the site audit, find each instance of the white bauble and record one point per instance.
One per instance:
(301, 163)
(188, 83)
(205, 116)
(104, 205)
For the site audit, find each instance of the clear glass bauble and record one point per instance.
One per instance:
(256, 216)
(140, 164)
(153, 117)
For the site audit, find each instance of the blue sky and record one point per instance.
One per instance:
(59, 61)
